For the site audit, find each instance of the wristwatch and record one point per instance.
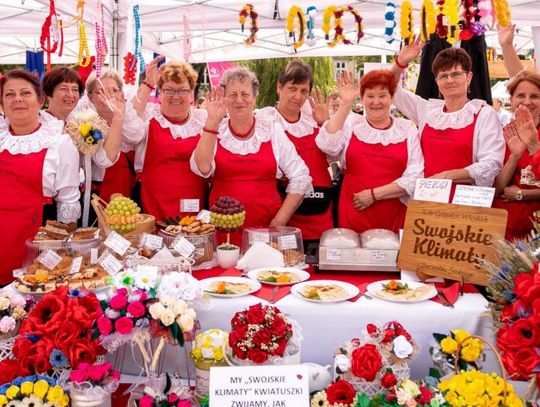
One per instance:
(519, 195)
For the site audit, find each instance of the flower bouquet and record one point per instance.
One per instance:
(459, 348)
(163, 392)
(339, 394)
(263, 335)
(377, 361)
(88, 130)
(33, 391)
(410, 393)
(13, 309)
(91, 385)
(208, 350)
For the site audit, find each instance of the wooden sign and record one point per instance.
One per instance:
(444, 240)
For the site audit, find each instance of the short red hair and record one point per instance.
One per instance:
(378, 77)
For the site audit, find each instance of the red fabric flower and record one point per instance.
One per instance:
(340, 392)
(521, 363)
(366, 362)
(48, 314)
(83, 351)
(262, 337)
(118, 301)
(67, 336)
(257, 356)
(280, 350)
(255, 314)
(124, 325)
(527, 286)
(388, 380)
(136, 309)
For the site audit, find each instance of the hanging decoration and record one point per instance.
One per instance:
(406, 22)
(451, 11)
(52, 30)
(186, 40)
(327, 18)
(101, 41)
(338, 25)
(389, 22)
(130, 69)
(441, 29)
(470, 24)
(485, 12)
(138, 56)
(296, 12)
(249, 11)
(427, 20)
(502, 13)
(84, 51)
(310, 24)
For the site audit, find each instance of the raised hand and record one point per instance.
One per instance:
(515, 145)
(526, 129)
(349, 90)
(506, 35)
(319, 110)
(215, 105)
(152, 71)
(411, 51)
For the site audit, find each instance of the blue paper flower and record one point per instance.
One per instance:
(32, 338)
(58, 359)
(4, 388)
(98, 135)
(32, 379)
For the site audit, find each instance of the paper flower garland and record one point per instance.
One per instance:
(502, 12)
(427, 20)
(101, 41)
(327, 18)
(485, 12)
(294, 13)
(52, 30)
(249, 10)
(441, 29)
(310, 24)
(390, 22)
(451, 11)
(84, 51)
(130, 69)
(406, 22)
(338, 24)
(138, 39)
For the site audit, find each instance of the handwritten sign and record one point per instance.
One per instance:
(49, 259)
(259, 386)
(433, 190)
(189, 205)
(287, 242)
(117, 243)
(109, 263)
(473, 196)
(444, 240)
(183, 246)
(153, 242)
(204, 216)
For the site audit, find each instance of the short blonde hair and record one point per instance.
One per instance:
(178, 72)
(523, 76)
(106, 73)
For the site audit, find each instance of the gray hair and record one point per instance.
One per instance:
(105, 73)
(241, 75)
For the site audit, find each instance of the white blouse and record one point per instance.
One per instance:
(336, 144)
(60, 168)
(289, 163)
(488, 140)
(305, 126)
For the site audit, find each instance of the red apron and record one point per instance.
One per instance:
(371, 166)
(167, 177)
(251, 179)
(21, 207)
(120, 178)
(313, 225)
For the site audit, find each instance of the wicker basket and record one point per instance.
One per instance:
(373, 388)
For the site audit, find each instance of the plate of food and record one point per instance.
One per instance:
(229, 287)
(402, 291)
(279, 275)
(324, 291)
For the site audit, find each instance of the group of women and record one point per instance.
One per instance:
(275, 162)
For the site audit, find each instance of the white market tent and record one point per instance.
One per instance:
(214, 31)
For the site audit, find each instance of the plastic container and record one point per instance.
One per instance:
(286, 239)
(205, 245)
(340, 238)
(73, 248)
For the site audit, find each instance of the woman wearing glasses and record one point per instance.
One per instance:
(246, 156)
(168, 187)
(461, 139)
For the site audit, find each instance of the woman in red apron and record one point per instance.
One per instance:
(513, 193)
(37, 162)
(380, 154)
(168, 186)
(246, 156)
(301, 125)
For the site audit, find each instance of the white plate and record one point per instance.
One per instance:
(302, 275)
(374, 289)
(205, 284)
(352, 290)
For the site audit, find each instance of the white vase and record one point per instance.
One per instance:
(81, 400)
(227, 258)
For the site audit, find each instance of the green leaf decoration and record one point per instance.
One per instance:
(433, 372)
(103, 304)
(462, 364)
(362, 401)
(95, 335)
(168, 384)
(439, 337)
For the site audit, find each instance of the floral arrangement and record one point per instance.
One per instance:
(57, 333)
(451, 11)
(428, 20)
(180, 286)
(337, 13)
(502, 13)
(172, 318)
(146, 279)
(460, 345)
(478, 388)
(87, 130)
(95, 380)
(13, 309)
(170, 396)
(209, 347)
(410, 393)
(296, 12)
(339, 394)
(33, 391)
(249, 10)
(259, 333)
(377, 361)
(406, 22)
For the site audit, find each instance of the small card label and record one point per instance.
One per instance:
(117, 243)
(49, 259)
(333, 254)
(288, 242)
(110, 263)
(260, 237)
(204, 216)
(474, 196)
(163, 254)
(378, 255)
(145, 268)
(153, 242)
(189, 205)
(76, 265)
(433, 190)
(183, 246)
(94, 255)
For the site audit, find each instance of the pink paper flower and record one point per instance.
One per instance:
(18, 300)
(136, 309)
(7, 324)
(118, 301)
(104, 325)
(97, 373)
(78, 376)
(172, 398)
(146, 401)
(184, 403)
(124, 325)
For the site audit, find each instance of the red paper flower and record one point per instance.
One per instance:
(104, 325)
(366, 362)
(83, 351)
(425, 396)
(282, 345)
(67, 336)
(47, 316)
(388, 380)
(118, 301)
(262, 337)
(340, 392)
(257, 356)
(527, 286)
(255, 314)
(136, 309)
(124, 325)
(521, 362)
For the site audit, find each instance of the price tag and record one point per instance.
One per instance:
(189, 205)
(288, 242)
(93, 255)
(204, 216)
(433, 190)
(333, 254)
(76, 265)
(117, 243)
(110, 263)
(153, 242)
(260, 237)
(378, 255)
(183, 246)
(144, 268)
(163, 254)
(49, 259)
(474, 196)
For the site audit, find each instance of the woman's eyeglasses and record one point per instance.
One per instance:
(447, 75)
(172, 92)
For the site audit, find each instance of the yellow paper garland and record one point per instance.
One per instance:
(406, 22)
(427, 20)
(327, 18)
(249, 10)
(294, 13)
(451, 11)
(502, 13)
(338, 24)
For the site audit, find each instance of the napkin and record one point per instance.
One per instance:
(260, 255)
(450, 292)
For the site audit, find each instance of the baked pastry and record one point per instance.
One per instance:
(54, 233)
(84, 234)
(60, 225)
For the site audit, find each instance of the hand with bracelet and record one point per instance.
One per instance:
(409, 53)
(364, 199)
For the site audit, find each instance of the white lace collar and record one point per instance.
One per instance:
(301, 128)
(191, 128)
(264, 129)
(438, 119)
(398, 132)
(42, 138)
